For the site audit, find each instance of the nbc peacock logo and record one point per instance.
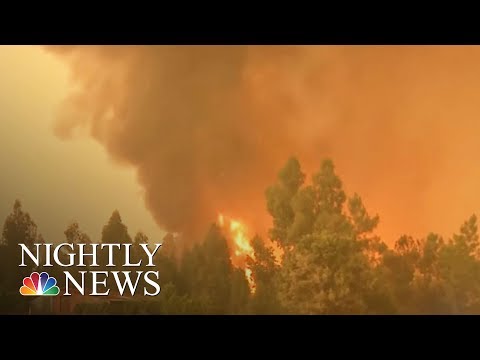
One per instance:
(39, 285)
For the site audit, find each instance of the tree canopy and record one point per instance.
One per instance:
(333, 261)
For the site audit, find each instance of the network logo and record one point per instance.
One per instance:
(39, 285)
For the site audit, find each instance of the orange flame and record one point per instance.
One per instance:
(251, 282)
(237, 233)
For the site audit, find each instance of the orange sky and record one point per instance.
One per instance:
(57, 181)
(401, 124)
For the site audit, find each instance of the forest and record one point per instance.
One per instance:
(333, 262)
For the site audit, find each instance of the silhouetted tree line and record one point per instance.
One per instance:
(333, 262)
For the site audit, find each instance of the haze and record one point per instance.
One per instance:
(205, 129)
(57, 181)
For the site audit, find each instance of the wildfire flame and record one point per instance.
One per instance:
(237, 233)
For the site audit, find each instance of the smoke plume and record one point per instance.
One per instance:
(208, 127)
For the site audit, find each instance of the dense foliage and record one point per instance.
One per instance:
(333, 262)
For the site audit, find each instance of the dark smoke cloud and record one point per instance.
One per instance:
(207, 128)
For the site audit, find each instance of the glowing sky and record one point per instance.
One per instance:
(57, 181)
(401, 124)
